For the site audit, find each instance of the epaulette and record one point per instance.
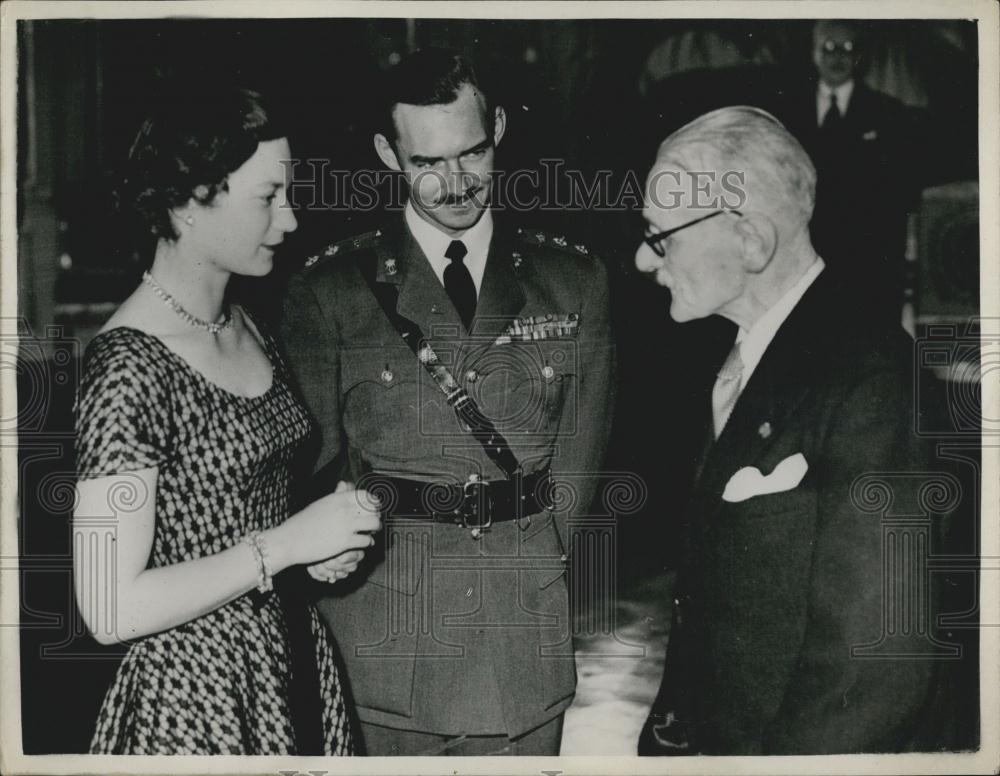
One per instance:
(542, 238)
(351, 244)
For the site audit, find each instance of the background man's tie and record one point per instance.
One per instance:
(727, 389)
(832, 117)
(458, 283)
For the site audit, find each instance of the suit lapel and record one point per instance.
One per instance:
(857, 109)
(502, 296)
(776, 389)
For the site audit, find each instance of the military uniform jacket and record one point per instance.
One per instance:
(442, 632)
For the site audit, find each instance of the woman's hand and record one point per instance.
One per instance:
(339, 566)
(336, 568)
(332, 526)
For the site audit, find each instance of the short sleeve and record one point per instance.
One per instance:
(123, 418)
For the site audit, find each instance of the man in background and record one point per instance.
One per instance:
(862, 143)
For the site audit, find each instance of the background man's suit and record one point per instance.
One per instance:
(867, 182)
(442, 632)
(773, 591)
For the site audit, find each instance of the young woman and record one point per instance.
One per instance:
(186, 434)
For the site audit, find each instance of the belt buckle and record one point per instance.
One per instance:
(476, 503)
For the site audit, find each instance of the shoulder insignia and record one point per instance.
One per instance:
(360, 242)
(540, 238)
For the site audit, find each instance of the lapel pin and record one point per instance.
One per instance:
(765, 430)
(390, 266)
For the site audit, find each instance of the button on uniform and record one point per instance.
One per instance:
(548, 372)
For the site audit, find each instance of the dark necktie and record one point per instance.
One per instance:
(831, 120)
(458, 283)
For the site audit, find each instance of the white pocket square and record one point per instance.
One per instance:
(749, 482)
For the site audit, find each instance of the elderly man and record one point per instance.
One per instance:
(781, 582)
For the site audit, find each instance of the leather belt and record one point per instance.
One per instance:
(475, 504)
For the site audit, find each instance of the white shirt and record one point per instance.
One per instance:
(843, 92)
(433, 242)
(754, 342)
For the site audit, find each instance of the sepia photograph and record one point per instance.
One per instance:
(613, 387)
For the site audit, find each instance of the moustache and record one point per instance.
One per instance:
(452, 200)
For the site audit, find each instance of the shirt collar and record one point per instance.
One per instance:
(433, 242)
(843, 92)
(754, 343)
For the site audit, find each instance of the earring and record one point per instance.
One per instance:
(189, 220)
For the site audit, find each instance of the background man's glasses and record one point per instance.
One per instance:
(655, 241)
(829, 46)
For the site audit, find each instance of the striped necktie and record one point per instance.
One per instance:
(727, 389)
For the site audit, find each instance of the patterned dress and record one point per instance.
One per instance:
(222, 683)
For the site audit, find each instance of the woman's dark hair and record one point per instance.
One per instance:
(187, 147)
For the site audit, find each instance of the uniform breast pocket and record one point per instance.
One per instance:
(384, 398)
(523, 387)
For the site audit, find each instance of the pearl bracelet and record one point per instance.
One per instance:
(259, 548)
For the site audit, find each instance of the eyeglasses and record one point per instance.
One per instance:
(655, 241)
(829, 46)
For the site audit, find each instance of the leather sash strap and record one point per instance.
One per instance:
(468, 412)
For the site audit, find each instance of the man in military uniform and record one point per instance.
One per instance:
(456, 634)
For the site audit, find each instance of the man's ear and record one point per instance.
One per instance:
(499, 125)
(386, 153)
(760, 240)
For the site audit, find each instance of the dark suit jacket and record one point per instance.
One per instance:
(775, 591)
(441, 632)
(867, 181)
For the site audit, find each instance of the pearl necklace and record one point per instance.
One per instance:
(173, 304)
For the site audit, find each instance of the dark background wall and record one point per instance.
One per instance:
(596, 94)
